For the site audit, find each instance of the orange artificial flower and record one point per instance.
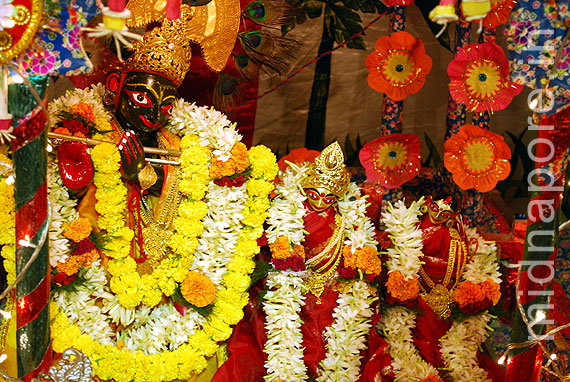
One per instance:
(469, 293)
(198, 289)
(298, 156)
(401, 289)
(78, 230)
(280, 248)
(62, 130)
(492, 290)
(398, 66)
(477, 158)
(365, 259)
(84, 110)
(236, 164)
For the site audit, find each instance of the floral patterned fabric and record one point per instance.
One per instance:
(56, 48)
(534, 34)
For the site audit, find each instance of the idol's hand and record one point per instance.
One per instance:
(132, 155)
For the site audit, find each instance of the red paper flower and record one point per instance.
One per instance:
(499, 13)
(477, 158)
(398, 66)
(298, 156)
(480, 78)
(391, 160)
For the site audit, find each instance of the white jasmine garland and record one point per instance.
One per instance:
(92, 96)
(459, 348)
(347, 335)
(213, 128)
(483, 264)
(396, 324)
(402, 226)
(284, 347)
(217, 244)
(62, 211)
(359, 229)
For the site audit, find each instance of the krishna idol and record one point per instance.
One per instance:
(151, 256)
(317, 304)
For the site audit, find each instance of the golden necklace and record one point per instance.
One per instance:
(440, 296)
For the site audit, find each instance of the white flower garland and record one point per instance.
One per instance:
(91, 96)
(346, 337)
(359, 229)
(459, 348)
(222, 227)
(402, 226)
(284, 346)
(213, 128)
(396, 324)
(62, 211)
(459, 345)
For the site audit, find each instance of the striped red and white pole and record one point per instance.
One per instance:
(32, 225)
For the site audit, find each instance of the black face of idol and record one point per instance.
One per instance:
(145, 102)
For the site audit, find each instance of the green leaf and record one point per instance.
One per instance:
(343, 23)
(371, 6)
(314, 8)
(425, 7)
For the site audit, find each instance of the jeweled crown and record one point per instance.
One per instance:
(328, 171)
(165, 49)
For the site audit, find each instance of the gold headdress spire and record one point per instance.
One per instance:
(165, 49)
(328, 171)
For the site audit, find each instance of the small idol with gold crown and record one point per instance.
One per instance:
(450, 277)
(151, 262)
(317, 302)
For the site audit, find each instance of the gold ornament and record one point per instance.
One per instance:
(328, 171)
(147, 177)
(5, 40)
(213, 26)
(165, 49)
(15, 43)
(440, 299)
(22, 16)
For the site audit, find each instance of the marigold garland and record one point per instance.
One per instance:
(402, 289)
(78, 230)
(365, 259)
(131, 289)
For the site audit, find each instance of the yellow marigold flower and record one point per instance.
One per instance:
(259, 187)
(121, 266)
(237, 281)
(84, 110)
(247, 248)
(280, 248)
(78, 230)
(217, 328)
(188, 227)
(151, 294)
(198, 289)
(241, 264)
(401, 289)
(9, 256)
(202, 342)
(192, 209)
(106, 158)
(263, 162)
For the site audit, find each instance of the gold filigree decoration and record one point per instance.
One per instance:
(440, 299)
(20, 43)
(22, 15)
(328, 171)
(5, 40)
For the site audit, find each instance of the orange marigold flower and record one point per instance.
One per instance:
(401, 289)
(299, 250)
(492, 290)
(365, 259)
(280, 248)
(70, 266)
(78, 230)
(198, 289)
(238, 163)
(469, 293)
(84, 110)
(62, 130)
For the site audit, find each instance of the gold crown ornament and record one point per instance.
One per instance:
(214, 26)
(328, 171)
(165, 49)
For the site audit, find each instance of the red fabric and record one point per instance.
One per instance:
(436, 242)
(525, 366)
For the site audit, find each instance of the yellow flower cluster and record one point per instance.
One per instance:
(9, 256)
(265, 163)
(120, 364)
(198, 289)
(365, 259)
(194, 163)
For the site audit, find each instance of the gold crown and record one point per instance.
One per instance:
(328, 171)
(165, 49)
